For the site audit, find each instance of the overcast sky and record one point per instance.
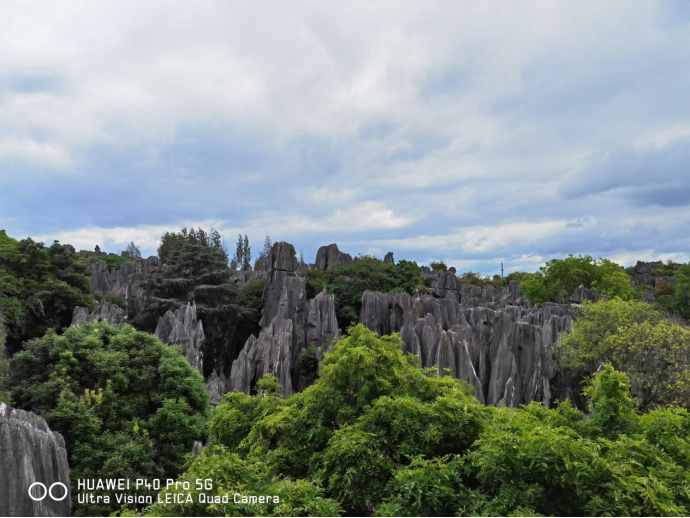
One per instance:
(473, 132)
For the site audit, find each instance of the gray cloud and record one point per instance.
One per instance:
(475, 131)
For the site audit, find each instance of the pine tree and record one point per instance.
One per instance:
(197, 272)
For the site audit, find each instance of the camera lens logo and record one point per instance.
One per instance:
(47, 491)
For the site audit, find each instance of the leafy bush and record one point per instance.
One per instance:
(636, 338)
(127, 405)
(679, 300)
(348, 283)
(40, 287)
(378, 435)
(439, 266)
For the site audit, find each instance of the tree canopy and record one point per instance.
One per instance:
(127, 405)
(378, 435)
(636, 338)
(559, 278)
(40, 287)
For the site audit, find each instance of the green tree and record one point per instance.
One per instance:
(637, 339)
(559, 278)
(378, 435)
(439, 266)
(127, 405)
(678, 300)
(40, 287)
(197, 271)
(246, 254)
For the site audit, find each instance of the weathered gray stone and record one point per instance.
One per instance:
(388, 259)
(289, 324)
(581, 294)
(330, 257)
(183, 328)
(322, 324)
(105, 312)
(244, 277)
(505, 351)
(30, 452)
(217, 385)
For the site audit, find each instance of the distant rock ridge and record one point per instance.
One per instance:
(30, 452)
(495, 340)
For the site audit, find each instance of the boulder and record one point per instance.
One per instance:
(388, 259)
(31, 453)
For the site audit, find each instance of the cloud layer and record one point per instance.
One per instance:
(475, 132)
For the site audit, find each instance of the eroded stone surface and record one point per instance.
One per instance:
(30, 452)
(496, 341)
(183, 328)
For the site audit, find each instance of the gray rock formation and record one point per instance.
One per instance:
(245, 277)
(581, 294)
(495, 341)
(217, 385)
(388, 259)
(330, 257)
(105, 312)
(125, 282)
(30, 452)
(289, 324)
(183, 328)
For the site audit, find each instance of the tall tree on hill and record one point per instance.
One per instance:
(133, 251)
(196, 271)
(267, 248)
(238, 258)
(246, 254)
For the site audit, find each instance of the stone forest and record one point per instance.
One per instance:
(347, 386)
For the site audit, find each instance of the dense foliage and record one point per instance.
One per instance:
(378, 435)
(348, 283)
(196, 270)
(559, 278)
(128, 405)
(635, 338)
(40, 287)
(171, 241)
(677, 298)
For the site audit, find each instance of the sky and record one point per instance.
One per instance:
(477, 133)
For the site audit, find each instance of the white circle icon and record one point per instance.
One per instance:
(60, 484)
(39, 484)
(48, 491)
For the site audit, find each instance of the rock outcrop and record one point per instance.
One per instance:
(581, 294)
(330, 257)
(496, 341)
(105, 312)
(183, 328)
(388, 259)
(31, 453)
(289, 323)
